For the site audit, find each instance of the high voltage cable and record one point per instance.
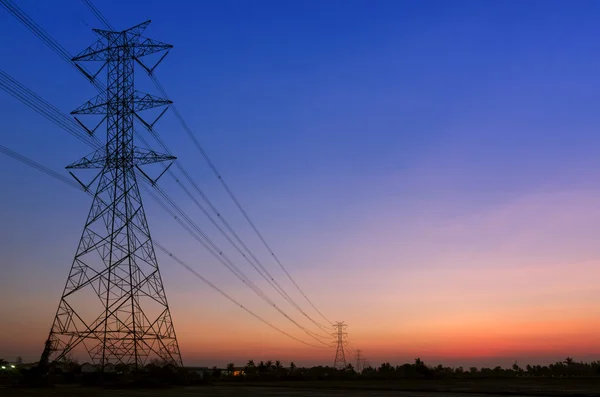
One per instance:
(192, 136)
(351, 351)
(63, 179)
(229, 297)
(264, 273)
(231, 194)
(215, 250)
(22, 16)
(18, 13)
(42, 34)
(64, 54)
(35, 102)
(27, 161)
(107, 24)
(222, 257)
(54, 113)
(98, 14)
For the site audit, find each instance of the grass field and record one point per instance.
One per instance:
(473, 388)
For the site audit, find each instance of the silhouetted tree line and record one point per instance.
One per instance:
(156, 375)
(270, 370)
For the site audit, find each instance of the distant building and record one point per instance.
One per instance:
(202, 371)
(237, 371)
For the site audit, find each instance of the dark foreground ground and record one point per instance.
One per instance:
(235, 391)
(476, 388)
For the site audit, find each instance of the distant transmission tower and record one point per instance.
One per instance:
(340, 334)
(114, 305)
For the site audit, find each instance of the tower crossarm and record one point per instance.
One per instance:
(136, 30)
(129, 39)
(98, 159)
(141, 101)
(99, 51)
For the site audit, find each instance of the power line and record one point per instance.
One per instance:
(178, 115)
(35, 165)
(351, 351)
(221, 256)
(38, 104)
(98, 14)
(230, 298)
(22, 16)
(43, 107)
(264, 273)
(210, 163)
(254, 262)
(36, 29)
(231, 194)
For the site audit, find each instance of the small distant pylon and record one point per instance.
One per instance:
(341, 334)
(358, 361)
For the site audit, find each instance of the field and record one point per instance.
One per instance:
(476, 388)
(221, 391)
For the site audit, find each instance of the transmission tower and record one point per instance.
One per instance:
(114, 305)
(340, 333)
(358, 360)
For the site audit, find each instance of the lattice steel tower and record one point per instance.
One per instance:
(114, 305)
(340, 334)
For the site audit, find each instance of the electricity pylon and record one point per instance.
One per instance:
(114, 305)
(340, 334)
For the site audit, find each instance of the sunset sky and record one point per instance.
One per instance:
(427, 171)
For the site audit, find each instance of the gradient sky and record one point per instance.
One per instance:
(427, 171)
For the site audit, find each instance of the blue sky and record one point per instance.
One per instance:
(351, 130)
